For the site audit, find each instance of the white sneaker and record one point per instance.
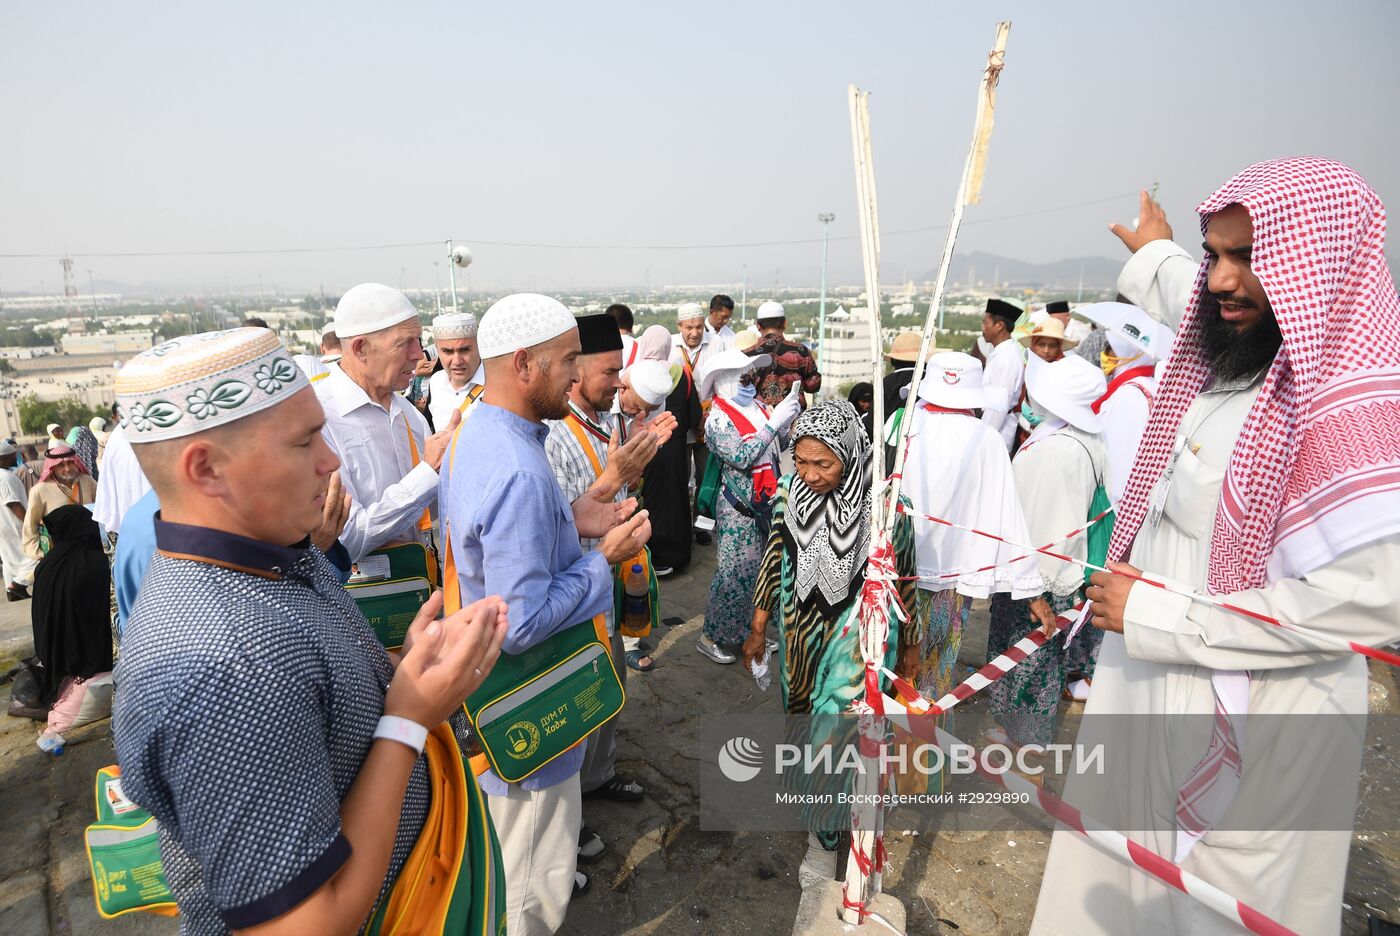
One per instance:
(713, 650)
(663, 571)
(818, 866)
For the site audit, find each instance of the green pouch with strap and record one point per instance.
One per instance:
(1100, 533)
(537, 704)
(389, 585)
(707, 495)
(123, 850)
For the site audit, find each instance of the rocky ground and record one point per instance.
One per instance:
(662, 872)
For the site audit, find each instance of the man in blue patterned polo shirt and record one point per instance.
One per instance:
(256, 715)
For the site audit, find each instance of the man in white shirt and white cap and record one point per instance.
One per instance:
(1136, 343)
(388, 459)
(693, 344)
(1005, 370)
(458, 385)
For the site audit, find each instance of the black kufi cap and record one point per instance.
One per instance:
(598, 333)
(1005, 311)
(1058, 307)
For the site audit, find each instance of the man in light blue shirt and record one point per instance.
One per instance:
(514, 534)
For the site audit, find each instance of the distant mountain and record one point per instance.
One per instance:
(986, 268)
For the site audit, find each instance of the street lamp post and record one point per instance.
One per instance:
(825, 218)
(744, 296)
(456, 257)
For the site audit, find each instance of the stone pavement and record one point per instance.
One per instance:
(662, 873)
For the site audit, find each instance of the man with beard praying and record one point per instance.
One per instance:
(1269, 478)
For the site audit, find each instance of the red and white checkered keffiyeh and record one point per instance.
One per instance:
(1316, 470)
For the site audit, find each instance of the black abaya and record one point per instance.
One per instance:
(72, 601)
(666, 482)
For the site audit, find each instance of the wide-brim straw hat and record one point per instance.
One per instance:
(905, 347)
(1050, 328)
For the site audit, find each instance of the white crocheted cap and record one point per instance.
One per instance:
(371, 307)
(198, 382)
(689, 311)
(770, 310)
(454, 325)
(522, 320)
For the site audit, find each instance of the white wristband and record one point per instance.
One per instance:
(403, 731)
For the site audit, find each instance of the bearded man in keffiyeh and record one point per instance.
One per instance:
(1269, 476)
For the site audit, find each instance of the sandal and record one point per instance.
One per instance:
(634, 660)
(619, 789)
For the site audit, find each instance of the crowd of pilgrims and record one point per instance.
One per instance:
(538, 455)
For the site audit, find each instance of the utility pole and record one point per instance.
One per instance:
(437, 287)
(93, 287)
(744, 295)
(825, 218)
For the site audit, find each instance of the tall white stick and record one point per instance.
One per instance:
(972, 170)
(869, 215)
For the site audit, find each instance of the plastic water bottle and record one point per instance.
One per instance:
(636, 607)
(51, 742)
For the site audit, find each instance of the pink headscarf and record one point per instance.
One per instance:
(57, 453)
(655, 344)
(1316, 470)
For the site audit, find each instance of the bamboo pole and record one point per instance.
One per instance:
(969, 190)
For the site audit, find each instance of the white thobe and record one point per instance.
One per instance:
(443, 398)
(697, 358)
(1005, 372)
(1159, 278)
(957, 469)
(721, 340)
(311, 365)
(1162, 664)
(388, 491)
(1055, 478)
(122, 482)
(629, 350)
(19, 568)
(1124, 421)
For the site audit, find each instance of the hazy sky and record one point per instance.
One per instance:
(137, 127)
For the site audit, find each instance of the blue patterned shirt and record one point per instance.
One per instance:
(247, 694)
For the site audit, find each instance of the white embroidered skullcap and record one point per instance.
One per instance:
(770, 310)
(8, 448)
(371, 307)
(522, 320)
(690, 310)
(328, 329)
(653, 381)
(454, 325)
(198, 382)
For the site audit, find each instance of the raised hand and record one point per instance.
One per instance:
(1151, 225)
(436, 444)
(445, 661)
(334, 512)
(595, 513)
(627, 539)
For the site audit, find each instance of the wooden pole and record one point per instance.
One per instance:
(969, 190)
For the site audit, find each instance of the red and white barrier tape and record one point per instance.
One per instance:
(1318, 637)
(1115, 843)
(996, 565)
(993, 671)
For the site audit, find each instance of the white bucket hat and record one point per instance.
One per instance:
(954, 380)
(730, 361)
(1130, 329)
(1068, 389)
